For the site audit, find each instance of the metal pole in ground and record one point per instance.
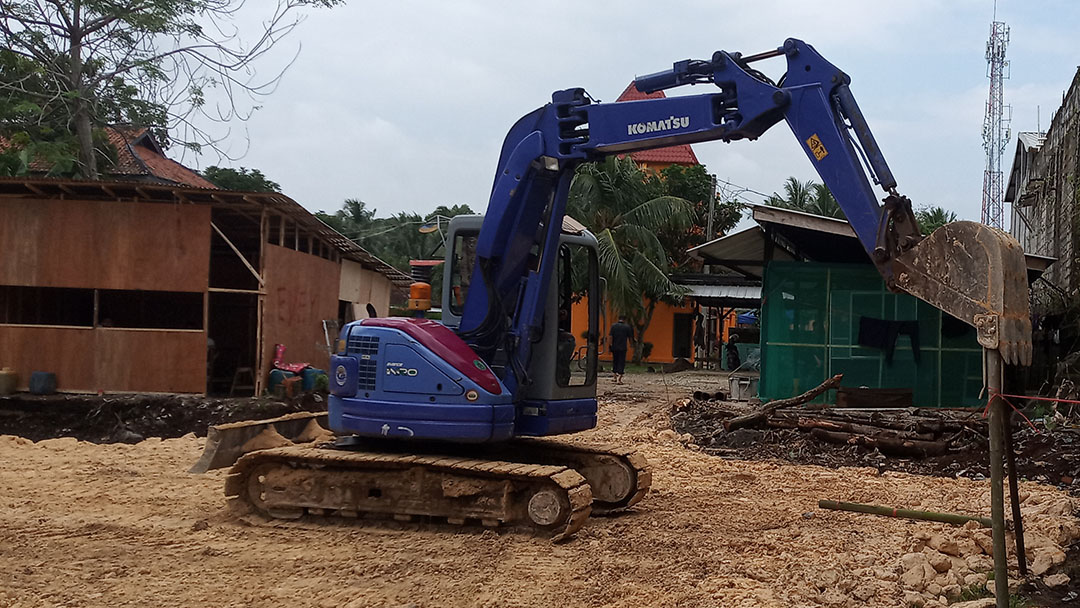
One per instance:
(997, 488)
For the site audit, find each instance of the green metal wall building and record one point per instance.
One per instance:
(810, 331)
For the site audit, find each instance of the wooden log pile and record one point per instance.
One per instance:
(904, 432)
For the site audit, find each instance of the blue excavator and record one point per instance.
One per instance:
(444, 420)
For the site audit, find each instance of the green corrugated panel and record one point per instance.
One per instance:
(810, 329)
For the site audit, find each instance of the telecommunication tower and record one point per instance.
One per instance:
(995, 124)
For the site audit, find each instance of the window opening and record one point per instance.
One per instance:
(136, 309)
(21, 305)
(577, 283)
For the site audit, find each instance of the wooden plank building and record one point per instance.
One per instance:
(150, 286)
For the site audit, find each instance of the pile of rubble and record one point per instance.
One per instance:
(943, 567)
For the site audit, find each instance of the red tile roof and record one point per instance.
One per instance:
(138, 157)
(677, 155)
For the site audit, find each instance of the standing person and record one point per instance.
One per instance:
(732, 351)
(620, 340)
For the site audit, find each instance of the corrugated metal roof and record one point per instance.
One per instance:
(747, 244)
(1031, 139)
(750, 293)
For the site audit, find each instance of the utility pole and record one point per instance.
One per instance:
(712, 207)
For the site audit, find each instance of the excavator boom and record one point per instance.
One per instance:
(970, 271)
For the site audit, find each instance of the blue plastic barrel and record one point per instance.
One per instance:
(42, 383)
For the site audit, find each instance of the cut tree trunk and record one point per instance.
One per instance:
(891, 445)
(761, 415)
(861, 429)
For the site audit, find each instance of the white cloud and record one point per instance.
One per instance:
(405, 104)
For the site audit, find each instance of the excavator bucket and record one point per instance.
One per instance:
(226, 443)
(978, 275)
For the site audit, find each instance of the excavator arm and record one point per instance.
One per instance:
(967, 270)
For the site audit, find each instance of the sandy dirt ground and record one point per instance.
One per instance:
(125, 525)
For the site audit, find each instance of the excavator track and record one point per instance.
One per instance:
(618, 476)
(287, 482)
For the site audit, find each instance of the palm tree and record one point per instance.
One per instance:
(932, 218)
(824, 204)
(808, 197)
(797, 195)
(618, 203)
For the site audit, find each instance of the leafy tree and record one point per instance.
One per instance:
(811, 197)
(808, 197)
(352, 219)
(695, 185)
(396, 239)
(83, 64)
(932, 218)
(28, 135)
(245, 180)
(620, 205)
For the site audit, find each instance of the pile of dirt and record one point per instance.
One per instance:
(126, 525)
(129, 527)
(130, 418)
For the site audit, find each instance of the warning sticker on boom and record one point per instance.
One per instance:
(817, 147)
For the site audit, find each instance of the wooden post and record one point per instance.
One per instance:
(1014, 497)
(264, 236)
(997, 490)
(260, 344)
(206, 334)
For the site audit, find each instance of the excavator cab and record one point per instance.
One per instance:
(561, 395)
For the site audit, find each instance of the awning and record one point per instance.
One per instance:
(742, 252)
(725, 296)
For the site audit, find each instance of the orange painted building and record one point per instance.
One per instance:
(671, 331)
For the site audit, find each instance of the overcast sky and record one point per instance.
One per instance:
(404, 104)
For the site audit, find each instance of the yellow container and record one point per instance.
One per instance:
(8, 380)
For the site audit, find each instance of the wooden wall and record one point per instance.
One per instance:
(301, 291)
(109, 359)
(106, 245)
(361, 286)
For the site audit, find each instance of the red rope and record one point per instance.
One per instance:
(1038, 398)
(1015, 409)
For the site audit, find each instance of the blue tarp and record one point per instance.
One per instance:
(746, 318)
